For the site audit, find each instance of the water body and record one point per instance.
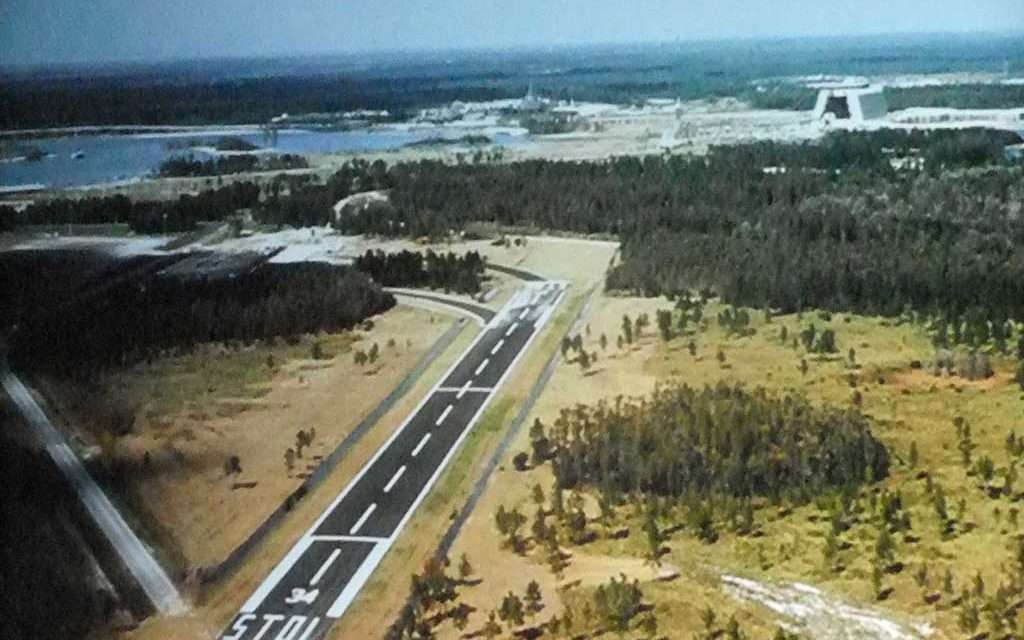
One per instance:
(111, 158)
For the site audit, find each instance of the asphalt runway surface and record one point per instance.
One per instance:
(321, 575)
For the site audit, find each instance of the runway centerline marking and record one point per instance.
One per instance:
(483, 365)
(463, 390)
(394, 479)
(526, 312)
(324, 567)
(497, 346)
(363, 518)
(444, 414)
(511, 329)
(419, 447)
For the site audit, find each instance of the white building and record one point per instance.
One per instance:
(854, 104)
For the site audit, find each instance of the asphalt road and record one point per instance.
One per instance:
(322, 574)
(133, 554)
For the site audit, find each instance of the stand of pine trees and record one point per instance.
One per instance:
(144, 217)
(142, 319)
(720, 441)
(432, 270)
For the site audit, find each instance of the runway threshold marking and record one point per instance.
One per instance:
(444, 414)
(394, 479)
(483, 365)
(419, 447)
(511, 329)
(497, 346)
(363, 518)
(324, 567)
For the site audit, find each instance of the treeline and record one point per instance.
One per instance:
(946, 246)
(146, 216)
(716, 442)
(190, 167)
(139, 320)
(432, 270)
(301, 201)
(957, 96)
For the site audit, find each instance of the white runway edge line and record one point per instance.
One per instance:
(444, 414)
(419, 447)
(357, 581)
(133, 554)
(362, 519)
(483, 365)
(394, 479)
(370, 563)
(324, 567)
(497, 347)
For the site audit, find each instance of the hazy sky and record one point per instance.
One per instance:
(98, 30)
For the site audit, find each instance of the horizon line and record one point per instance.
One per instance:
(497, 48)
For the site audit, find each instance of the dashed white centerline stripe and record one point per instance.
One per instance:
(463, 390)
(444, 414)
(419, 447)
(526, 312)
(324, 567)
(515, 325)
(363, 518)
(497, 346)
(394, 479)
(483, 365)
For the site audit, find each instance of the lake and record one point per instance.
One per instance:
(110, 158)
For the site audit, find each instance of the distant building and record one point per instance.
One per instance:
(855, 104)
(531, 102)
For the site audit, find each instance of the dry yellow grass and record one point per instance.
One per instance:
(216, 604)
(907, 406)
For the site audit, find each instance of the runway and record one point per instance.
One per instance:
(321, 575)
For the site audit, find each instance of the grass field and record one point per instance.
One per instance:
(907, 405)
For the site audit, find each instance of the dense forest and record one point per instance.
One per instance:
(146, 216)
(137, 320)
(42, 563)
(719, 441)
(432, 270)
(955, 96)
(255, 90)
(190, 167)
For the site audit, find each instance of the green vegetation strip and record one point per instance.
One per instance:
(491, 421)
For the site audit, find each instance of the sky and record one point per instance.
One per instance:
(46, 31)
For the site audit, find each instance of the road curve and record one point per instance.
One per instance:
(317, 580)
(129, 549)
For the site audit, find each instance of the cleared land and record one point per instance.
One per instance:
(193, 412)
(908, 405)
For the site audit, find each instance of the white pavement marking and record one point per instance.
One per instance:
(444, 414)
(324, 567)
(526, 312)
(459, 389)
(511, 329)
(359, 579)
(497, 347)
(483, 365)
(394, 479)
(279, 571)
(325, 538)
(362, 519)
(419, 447)
(463, 390)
